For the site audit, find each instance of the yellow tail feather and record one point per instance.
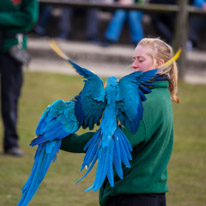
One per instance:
(60, 53)
(166, 67)
(55, 47)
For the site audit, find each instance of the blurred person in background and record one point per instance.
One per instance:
(17, 17)
(196, 24)
(91, 23)
(134, 19)
(45, 13)
(64, 25)
(164, 23)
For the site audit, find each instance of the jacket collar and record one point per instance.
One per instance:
(161, 84)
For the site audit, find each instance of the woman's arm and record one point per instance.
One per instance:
(75, 143)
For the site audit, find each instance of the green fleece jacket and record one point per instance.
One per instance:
(152, 148)
(16, 16)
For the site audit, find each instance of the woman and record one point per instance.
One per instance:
(145, 183)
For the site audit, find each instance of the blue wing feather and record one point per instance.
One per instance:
(57, 122)
(92, 148)
(109, 145)
(43, 158)
(117, 158)
(91, 100)
(132, 88)
(82, 71)
(115, 153)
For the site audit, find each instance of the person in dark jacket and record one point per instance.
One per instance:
(164, 23)
(16, 19)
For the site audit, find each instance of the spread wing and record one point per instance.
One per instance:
(57, 122)
(91, 100)
(132, 88)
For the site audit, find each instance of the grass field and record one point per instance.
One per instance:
(187, 169)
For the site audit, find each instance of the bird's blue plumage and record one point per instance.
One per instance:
(57, 122)
(45, 154)
(120, 101)
(90, 102)
(132, 88)
(109, 145)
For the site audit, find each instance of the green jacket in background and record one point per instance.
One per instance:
(16, 16)
(152, 148)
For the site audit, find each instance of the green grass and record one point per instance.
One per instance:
(187, 169)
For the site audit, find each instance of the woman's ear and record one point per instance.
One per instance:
(160, 62)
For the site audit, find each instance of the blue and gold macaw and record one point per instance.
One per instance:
(120, 101)
(57, 122)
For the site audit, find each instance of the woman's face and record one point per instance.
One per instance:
(141, 60)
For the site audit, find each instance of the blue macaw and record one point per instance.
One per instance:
(120, 101)
(57, 122)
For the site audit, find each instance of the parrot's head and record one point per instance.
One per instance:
(112, 81)
(111, 89)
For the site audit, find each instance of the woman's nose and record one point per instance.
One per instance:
(135, 65)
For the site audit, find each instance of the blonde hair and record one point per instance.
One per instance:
(161, 50)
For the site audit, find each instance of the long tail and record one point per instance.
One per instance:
(45, 154)
(118, 151)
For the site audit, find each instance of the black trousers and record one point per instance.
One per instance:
(11, 83)
(138, 200)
